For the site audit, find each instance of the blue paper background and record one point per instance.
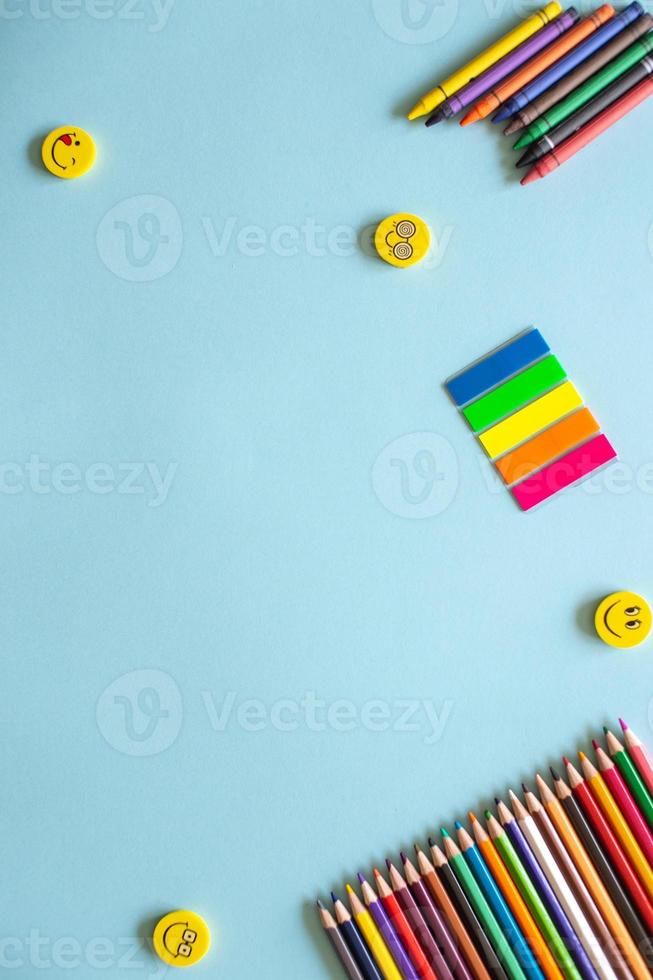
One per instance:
(196, 311)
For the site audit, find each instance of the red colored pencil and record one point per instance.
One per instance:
(569, 147)
(639, 754)
(418, 924)
(405, 933)
(617, 786)
(612, 846)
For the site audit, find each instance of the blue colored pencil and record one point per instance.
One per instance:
(355, 941)
(570, 61)
(548, 896)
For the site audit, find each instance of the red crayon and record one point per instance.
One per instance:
(612, 846)
(617, 786)
(569, 147)
(404, 931)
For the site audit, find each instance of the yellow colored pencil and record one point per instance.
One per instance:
(485, 60)
(373, 937)
(615, 817)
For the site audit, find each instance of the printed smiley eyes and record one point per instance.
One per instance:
(633, 624)
(632, 610)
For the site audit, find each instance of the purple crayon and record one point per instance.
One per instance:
(504, 67)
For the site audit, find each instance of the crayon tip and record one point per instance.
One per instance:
(512, 127)
(435, 118)
(361, 877)
(417, 111)
(554, 774)
(624, 726)
(472, 116)
(458, 825)
(504, 113)
(334, 897)
(530, 177)
(523, 141)
(444, 832)
(526, 159)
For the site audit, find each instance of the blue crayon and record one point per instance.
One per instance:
(497, 367)
(497, 903)
(567, 64)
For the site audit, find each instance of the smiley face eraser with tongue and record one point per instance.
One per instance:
(68, 152)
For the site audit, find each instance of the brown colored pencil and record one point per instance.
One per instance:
(448, 909)
(593, 881)
(348, 962)
(576, 883)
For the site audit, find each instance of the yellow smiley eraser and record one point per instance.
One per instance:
(402, 240)
(68, 152)
(623, 619)
(181, 938)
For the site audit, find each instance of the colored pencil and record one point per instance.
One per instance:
(618, 821)
(612, 845)
(497, 903)
(570, 147)
(639, 754)
(617, 63)
(630, 773)
(442, 900)
(567, 64)
(482, 908)
(455, 889)
(343, 952)
(593, 881)
(404, 931)
(370, 933)
(434, 920)
(418, 924)
(580, 926)
(515, 901)
(484, 60)
(510, 843)
(387, 930)
(594, 845)
(624, 800)
(355, 941)
(559, 101)
(478, 86)
(574, 123)
(602, 950)
(569, 40)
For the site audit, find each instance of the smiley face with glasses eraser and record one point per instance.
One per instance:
(181, 938)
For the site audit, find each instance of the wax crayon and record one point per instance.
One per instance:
(476, 88)
(485, 60)
(560, 97)
(590, 111)
(567, 64)
(571, 146)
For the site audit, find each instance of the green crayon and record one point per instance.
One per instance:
(585, 93)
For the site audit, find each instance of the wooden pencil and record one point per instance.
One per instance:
(387, 930)
(619, 824)
(418, 924)
(613, 847)
(629, 771)
(448, 878)
(370, 933)
(593, 882)
(404, 931)
(343, 952)
(435, 921)
(625, 801)
(568, 869)
(441, 898)
(599, 854)
(639, 754)
(355, 941)
(515, 902)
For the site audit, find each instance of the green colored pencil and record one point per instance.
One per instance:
(584, 93)
(531, 896)
(626, 767)
(479, 903)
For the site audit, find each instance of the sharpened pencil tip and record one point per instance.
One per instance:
(334, 897)
(524, 788)
(458, 825)
(388, 863)
(497, 800)
(319, 904)
(582, 756)
(472, 816)
(554, 774)
(566, 760)
(402, 855)
(361, 877)
(349, 889)
(444, 832)
(488, 814)
(624, 726)
(595, 744)
(431, 842)
(605, 729)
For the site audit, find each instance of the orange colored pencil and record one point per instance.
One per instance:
(516, 903)
(565, 43)
(592, 879)
(448, 909)
(616, 819)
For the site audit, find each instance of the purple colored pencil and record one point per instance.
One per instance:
(505, 66)
(548, 896)
(387, 930)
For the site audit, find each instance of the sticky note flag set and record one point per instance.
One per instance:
(530, 419)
